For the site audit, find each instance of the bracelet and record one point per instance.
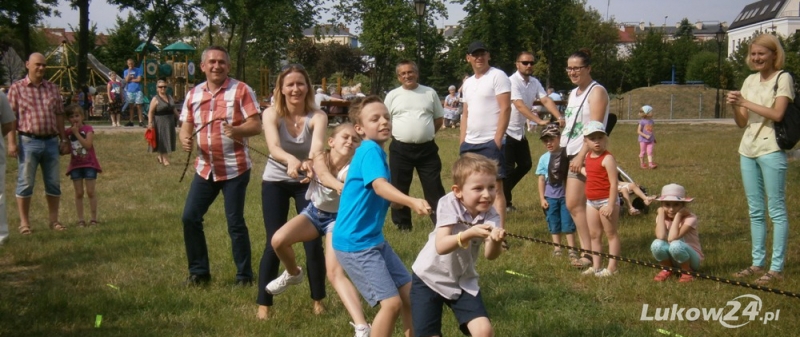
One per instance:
(460, 244)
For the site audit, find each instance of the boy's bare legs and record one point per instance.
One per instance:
(347, 292)
(556, 240)
(480, 327)
(610, 228)
(596, 236)
(383, 324)
(405, 311)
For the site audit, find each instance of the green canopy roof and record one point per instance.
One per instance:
(179, 47)
(150, 48)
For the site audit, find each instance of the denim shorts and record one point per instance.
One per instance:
(559, 220)
(426, 309)
(599, 203)
(30, 154)
(376, 272)
(135, 97)
(322, 221)
(88, 173)
(488, 150)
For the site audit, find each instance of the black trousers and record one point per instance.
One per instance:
(275, 197)
(518, 163)
(403, 159)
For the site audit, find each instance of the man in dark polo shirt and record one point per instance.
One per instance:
(39, 139)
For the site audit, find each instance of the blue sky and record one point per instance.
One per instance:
(653, 11)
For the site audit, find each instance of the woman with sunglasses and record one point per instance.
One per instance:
(295, 129)
(587, 102)
(161, 117)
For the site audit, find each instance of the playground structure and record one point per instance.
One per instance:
(173, 64)
(65, 75)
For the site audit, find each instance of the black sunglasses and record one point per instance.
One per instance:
(526, 63)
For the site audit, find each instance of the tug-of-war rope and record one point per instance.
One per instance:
(654, 265)
(550, 243)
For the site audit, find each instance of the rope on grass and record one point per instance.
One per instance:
(656, 266)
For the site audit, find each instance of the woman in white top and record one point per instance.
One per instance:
(762, 101)
(588, 102)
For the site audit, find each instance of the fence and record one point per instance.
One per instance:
(670, 105)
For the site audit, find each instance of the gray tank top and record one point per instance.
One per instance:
(297, 146)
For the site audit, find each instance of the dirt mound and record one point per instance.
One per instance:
(670, 102)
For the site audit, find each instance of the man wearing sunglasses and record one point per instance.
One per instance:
(485, 116)
(525, 89)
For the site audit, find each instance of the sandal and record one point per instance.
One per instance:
(769, 277)
(557, 253)
(653, 165)
(749, 271)
(581, 262)
(634, 211)
(93, 223)
(25, 230)
(686, 278)
(57, 226)
(662, 276)
(81, 223)
(643, 165)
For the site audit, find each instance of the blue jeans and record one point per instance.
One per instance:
(32, 152)
(201, 195)
(767, 174)
(677, 251)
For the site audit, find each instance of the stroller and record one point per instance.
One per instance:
(637, 204)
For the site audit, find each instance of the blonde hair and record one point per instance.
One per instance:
(772, 43)
(280, 99)
(358, 105)
(471, 163)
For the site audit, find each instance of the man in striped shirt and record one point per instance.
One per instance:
(219, 114)
(42, 138)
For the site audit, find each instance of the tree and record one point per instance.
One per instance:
(22, 15)
(647, 63)
(122, 41)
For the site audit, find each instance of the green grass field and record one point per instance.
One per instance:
(56, 283)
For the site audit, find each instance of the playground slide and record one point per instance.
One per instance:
(99, 67)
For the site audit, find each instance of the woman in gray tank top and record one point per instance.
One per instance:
(294, 128)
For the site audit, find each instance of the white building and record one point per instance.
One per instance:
(781, 17)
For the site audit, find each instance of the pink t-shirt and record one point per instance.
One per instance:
(691, 237)
(80, 156)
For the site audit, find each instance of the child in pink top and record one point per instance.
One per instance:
(647, 140)
(83, 166)
(676, 244)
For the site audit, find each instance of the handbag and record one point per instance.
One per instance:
(787, 130)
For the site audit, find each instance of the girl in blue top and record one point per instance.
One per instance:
(372, 265)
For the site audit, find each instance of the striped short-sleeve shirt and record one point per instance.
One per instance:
(36, 106)
(233, 102)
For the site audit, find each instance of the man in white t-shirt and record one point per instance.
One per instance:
(417, 114)
(485, 115)
(525, 89)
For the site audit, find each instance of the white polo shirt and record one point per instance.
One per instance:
(480, 94)
(527, 92)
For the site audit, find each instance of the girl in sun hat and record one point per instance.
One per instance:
(647, 140)
(677, 243)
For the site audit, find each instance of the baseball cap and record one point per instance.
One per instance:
(592, 127)
(476, 46)
(550, 130)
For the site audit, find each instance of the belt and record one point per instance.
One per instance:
(42, 137)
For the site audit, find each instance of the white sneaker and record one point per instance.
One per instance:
(605, 273)
(283, 282)
(361, 330)
(589, 271)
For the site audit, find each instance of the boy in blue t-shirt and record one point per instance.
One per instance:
(372, 265)
(552, 172)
